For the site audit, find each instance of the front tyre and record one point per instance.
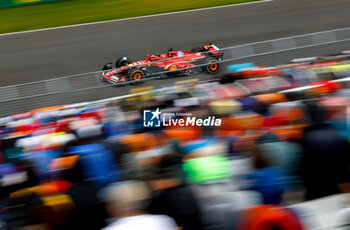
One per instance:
(135, 76)
(213, 66)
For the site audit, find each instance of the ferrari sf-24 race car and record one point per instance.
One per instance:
(174, 63)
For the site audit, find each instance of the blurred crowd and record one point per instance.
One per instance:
(283, 139)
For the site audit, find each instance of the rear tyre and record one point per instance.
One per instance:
(123, 61)
(213, 66)
(135, 76)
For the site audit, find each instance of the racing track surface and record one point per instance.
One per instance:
(34, 56)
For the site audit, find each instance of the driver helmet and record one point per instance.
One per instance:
(170, 54)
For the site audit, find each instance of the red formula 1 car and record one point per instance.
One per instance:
(174, 63)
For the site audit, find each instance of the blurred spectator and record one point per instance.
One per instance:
(89, 213)
(325, 160)
(197, 174)
(284, 155)
(25, 212)
(126, 162)
(127, 202)
(98, 162)
(174, 198)
(268, 181)
(218, 199)
(15, 175)
(268, 217)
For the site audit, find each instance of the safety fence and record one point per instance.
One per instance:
(88, 86)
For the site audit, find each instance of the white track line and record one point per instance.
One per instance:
(139, 17)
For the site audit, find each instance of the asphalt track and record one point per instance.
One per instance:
(48, 54)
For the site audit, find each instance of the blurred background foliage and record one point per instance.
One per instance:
(68, 12)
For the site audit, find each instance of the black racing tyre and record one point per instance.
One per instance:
(135, 75)
(123, 61)
(213, 66)
(197, 49)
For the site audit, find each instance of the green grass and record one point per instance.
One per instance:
(68, 12)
